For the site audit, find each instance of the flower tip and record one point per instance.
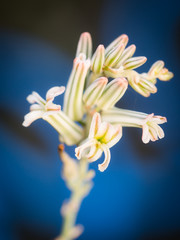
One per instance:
(144, 59)
(25, 124)
(122, 82)
(54, 92)
(85, 34)
(103, 80)
(101, 47)
(101, 168)
(78, 153)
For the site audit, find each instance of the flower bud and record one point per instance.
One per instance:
(165, 75)
(156, 68)
(122, 39)
(128, 53)
(85, 45)
(134, 62)
(113, 56)
(94, 91)
(73, 104)
(98, 60)
(140, 84)
(112, 93)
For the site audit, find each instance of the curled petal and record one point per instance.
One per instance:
(95, 124)
(96, 155)
(102, 167)
(35, 98)
(79, 151)
(31, 117)
(54, 92)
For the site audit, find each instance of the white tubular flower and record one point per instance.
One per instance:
(94, 91)
(73, 104)
(84, 45)
(149, 123)
(141, 83)
(102, 136)
(158, 71)
(47, 110)
(112, 93)
(98, 60)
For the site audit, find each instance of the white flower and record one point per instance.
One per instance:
(102, 136)
(149, 123)
(70, 132)
(41, 108)
(151, 130)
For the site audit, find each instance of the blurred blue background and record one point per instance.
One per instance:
(138, 197)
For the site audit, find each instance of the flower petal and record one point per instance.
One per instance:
(31, 117)
(54, 92)
(35, 98)
(106, 162)
(95, 124)
(115, 137)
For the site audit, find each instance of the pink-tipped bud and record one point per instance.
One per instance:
(112, 93)
(98, 60)
(114, 55)
(128, 53)
(134, 62)
(122, 39)
(84, 45)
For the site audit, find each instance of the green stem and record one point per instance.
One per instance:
(78, 193)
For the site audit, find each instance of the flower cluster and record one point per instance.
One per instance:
(89, 118)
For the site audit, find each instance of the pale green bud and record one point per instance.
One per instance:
(156, 68)
(114, 55)
(134, 62)
(122, 39)
(84, 45)
(73, 104)
(112, 94)
(94, 91)
(98, 60)
(128, 53)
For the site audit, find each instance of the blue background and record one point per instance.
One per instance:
(138, 196)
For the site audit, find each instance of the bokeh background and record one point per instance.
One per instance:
(138, 197)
